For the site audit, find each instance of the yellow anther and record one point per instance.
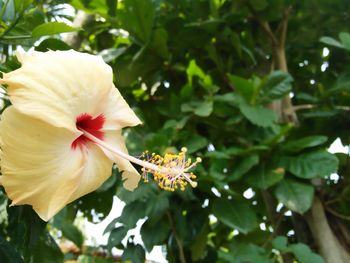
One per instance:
(194, 184)
(171, 171)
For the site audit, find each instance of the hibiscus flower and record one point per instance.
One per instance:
(62, 133)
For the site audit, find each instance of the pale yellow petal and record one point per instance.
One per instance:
(97, 168)
(38, 166)
(118, 113)
(130, 175)
(58, 86)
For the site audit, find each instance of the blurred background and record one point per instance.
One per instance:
(259, 89)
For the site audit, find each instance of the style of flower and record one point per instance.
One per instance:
(62, 133)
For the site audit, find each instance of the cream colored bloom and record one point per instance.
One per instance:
(46, 160)
(62, 133)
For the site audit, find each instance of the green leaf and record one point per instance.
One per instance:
(116, 236)
(159, 42)
(243, 86)
(137, 17)
(200, 242)
(158, 205)
(258, 115)
(345, 39)
(244, 253)
(275, 86)
(235, 214)
(144, 191)
(263, 177)
(243, 167)
(101, 7)
(200, 108)
(331, 41)
(72, 233)
(204, 109)
(304, 254)
(133, 253)
(8, 253)
(294, 146)
(280, 243)
(46, 250)
(132, 213)
(196, 143)
(52, 44)
(301, 251)
(311, 165)
(21, 5)
(52, 28)
(294, 195)
(154, 233)
(194, 70)
(112, 7)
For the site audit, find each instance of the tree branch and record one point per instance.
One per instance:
(337, 214)
(284, 27)
(177, 239)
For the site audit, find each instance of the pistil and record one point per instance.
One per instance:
(171, 171)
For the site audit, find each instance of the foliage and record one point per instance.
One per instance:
(204, 74)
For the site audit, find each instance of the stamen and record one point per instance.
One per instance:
(171, 171)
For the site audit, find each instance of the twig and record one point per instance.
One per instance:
(303, 107)
(267, 29)
(284, 27)
(337, 214)
(177, 239)
(276, 226)
(312, 106)
(264, 25)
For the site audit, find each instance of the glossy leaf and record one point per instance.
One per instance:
(295, 195)
(72, 233)
(276, 86)
(311, 165)
(264, 177)
(46, 250)
(304, 254)
(52, 28)
(258, 115)
(138, 18)
(235, 214)
(116, 236)
(243, 167)
(243, 86)
(293, 146)
(8, 253)
(134, 254)
(154, 233)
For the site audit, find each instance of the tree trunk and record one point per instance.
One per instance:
(329, 246)
(74, 39)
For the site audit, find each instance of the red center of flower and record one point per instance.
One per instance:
(91, 125)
